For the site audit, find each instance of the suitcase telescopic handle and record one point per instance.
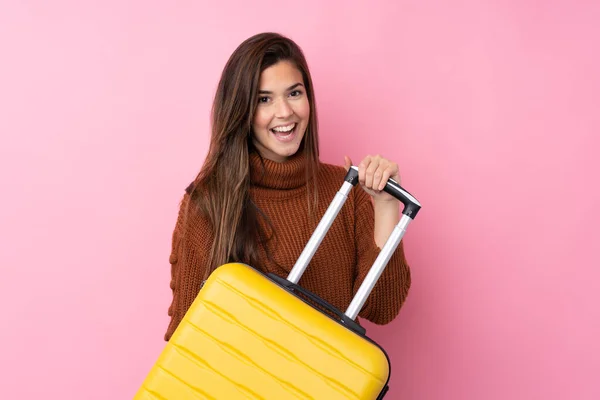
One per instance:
(410, 211)
(411, 208)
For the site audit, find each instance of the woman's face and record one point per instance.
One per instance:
(282, 112)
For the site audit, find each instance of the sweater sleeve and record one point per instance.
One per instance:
(191, 241)
(390, 291)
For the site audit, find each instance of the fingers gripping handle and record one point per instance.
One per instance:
(411, 204)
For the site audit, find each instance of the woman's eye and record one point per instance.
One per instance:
(263, 99)
(296, 93)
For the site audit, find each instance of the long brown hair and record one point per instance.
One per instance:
(220, 191)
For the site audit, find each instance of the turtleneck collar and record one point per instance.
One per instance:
(290, 174)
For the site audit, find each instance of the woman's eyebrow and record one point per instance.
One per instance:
(294, 86)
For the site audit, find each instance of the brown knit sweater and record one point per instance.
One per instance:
(337, 268)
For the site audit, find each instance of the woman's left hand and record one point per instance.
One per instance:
(373, 173)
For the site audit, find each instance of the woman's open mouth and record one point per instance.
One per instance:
(285, 133)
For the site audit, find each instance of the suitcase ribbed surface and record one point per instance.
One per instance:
(244, 337)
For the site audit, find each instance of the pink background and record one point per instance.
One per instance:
(490, 108)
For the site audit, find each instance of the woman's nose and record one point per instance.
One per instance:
(283, 109)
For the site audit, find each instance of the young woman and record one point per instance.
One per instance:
(262, 191)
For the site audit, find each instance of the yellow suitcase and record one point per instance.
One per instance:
(253, 336)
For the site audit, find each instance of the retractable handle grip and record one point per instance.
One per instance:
(411, 208)
(410, 211)
(411, 204)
